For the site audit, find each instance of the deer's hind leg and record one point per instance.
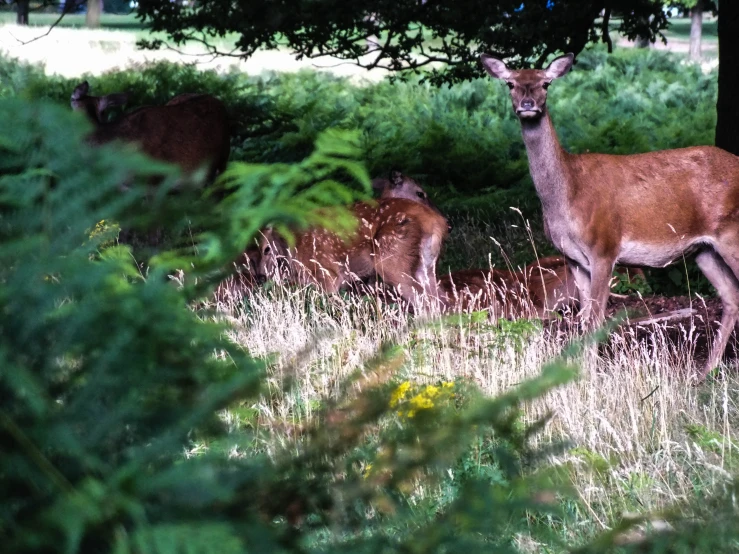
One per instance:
(428, 254)
(404, 261)
(722, 270)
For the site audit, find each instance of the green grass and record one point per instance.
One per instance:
(680, 29)
(114, 22)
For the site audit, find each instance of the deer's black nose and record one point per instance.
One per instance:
(527, 104)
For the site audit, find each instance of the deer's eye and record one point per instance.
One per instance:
(510, 84)
(267, 250)
(421, 194)
(545, 86)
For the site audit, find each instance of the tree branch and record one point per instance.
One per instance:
(64, 12)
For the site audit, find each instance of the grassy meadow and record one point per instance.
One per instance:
(630, 435)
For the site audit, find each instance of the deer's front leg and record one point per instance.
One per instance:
(601, 270)
(582, 280)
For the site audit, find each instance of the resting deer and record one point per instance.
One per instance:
(540, 289)
(643, 209)
(191, 131)
(243, 279)
(543, 287)
(397, 240)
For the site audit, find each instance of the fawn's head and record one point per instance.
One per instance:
(528, 86)
(95, 106)
(398, 185)
(272, 254)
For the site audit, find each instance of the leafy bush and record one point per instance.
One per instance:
(106, 376)
(462, 142)
(464, 137)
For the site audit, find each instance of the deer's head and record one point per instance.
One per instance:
(398, 185)
(528, 86)
(272, 255)
(95, 106)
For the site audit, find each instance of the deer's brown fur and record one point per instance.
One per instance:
(397, 240)
(191, 131)
(644, 209)
(543, 287)
(399, 185)
(540, 289)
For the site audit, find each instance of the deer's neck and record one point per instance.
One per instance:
(547, 162)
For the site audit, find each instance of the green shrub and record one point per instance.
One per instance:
(106, 376)
(462, 142)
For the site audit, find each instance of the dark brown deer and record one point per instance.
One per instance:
(243, 279)
(542, 288)
(191, 131)
(397, 240)
(644, 209)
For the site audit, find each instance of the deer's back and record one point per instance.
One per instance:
(654, 197)
(188, 132)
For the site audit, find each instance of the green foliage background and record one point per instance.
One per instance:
(628, 102)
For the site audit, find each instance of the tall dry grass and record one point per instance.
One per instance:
(641, 435)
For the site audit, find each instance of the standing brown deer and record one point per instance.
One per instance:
(642, 209)
(397, 240)
(191, 131)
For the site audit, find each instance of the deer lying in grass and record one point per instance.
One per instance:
(396, 186)
(543, 287)
(243, 279)
(397, 240)
(537, 291)
(191, 131)
(643, 209)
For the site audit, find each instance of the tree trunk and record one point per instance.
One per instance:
(696, 30)
(23, 10)
(727, 108)
(642, 41)
(94, 9)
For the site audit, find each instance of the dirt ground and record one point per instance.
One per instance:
(693, 331)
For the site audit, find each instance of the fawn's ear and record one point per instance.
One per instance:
(396, 178)
(379, 184)
(560, 66)
(496, 68)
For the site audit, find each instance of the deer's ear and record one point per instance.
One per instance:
(80, 90)
(379, 184)
(396, 178)
(495, 67)
(110, 101)
(560, 66)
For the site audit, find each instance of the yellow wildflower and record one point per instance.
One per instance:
(421, 402)
(399, 394)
